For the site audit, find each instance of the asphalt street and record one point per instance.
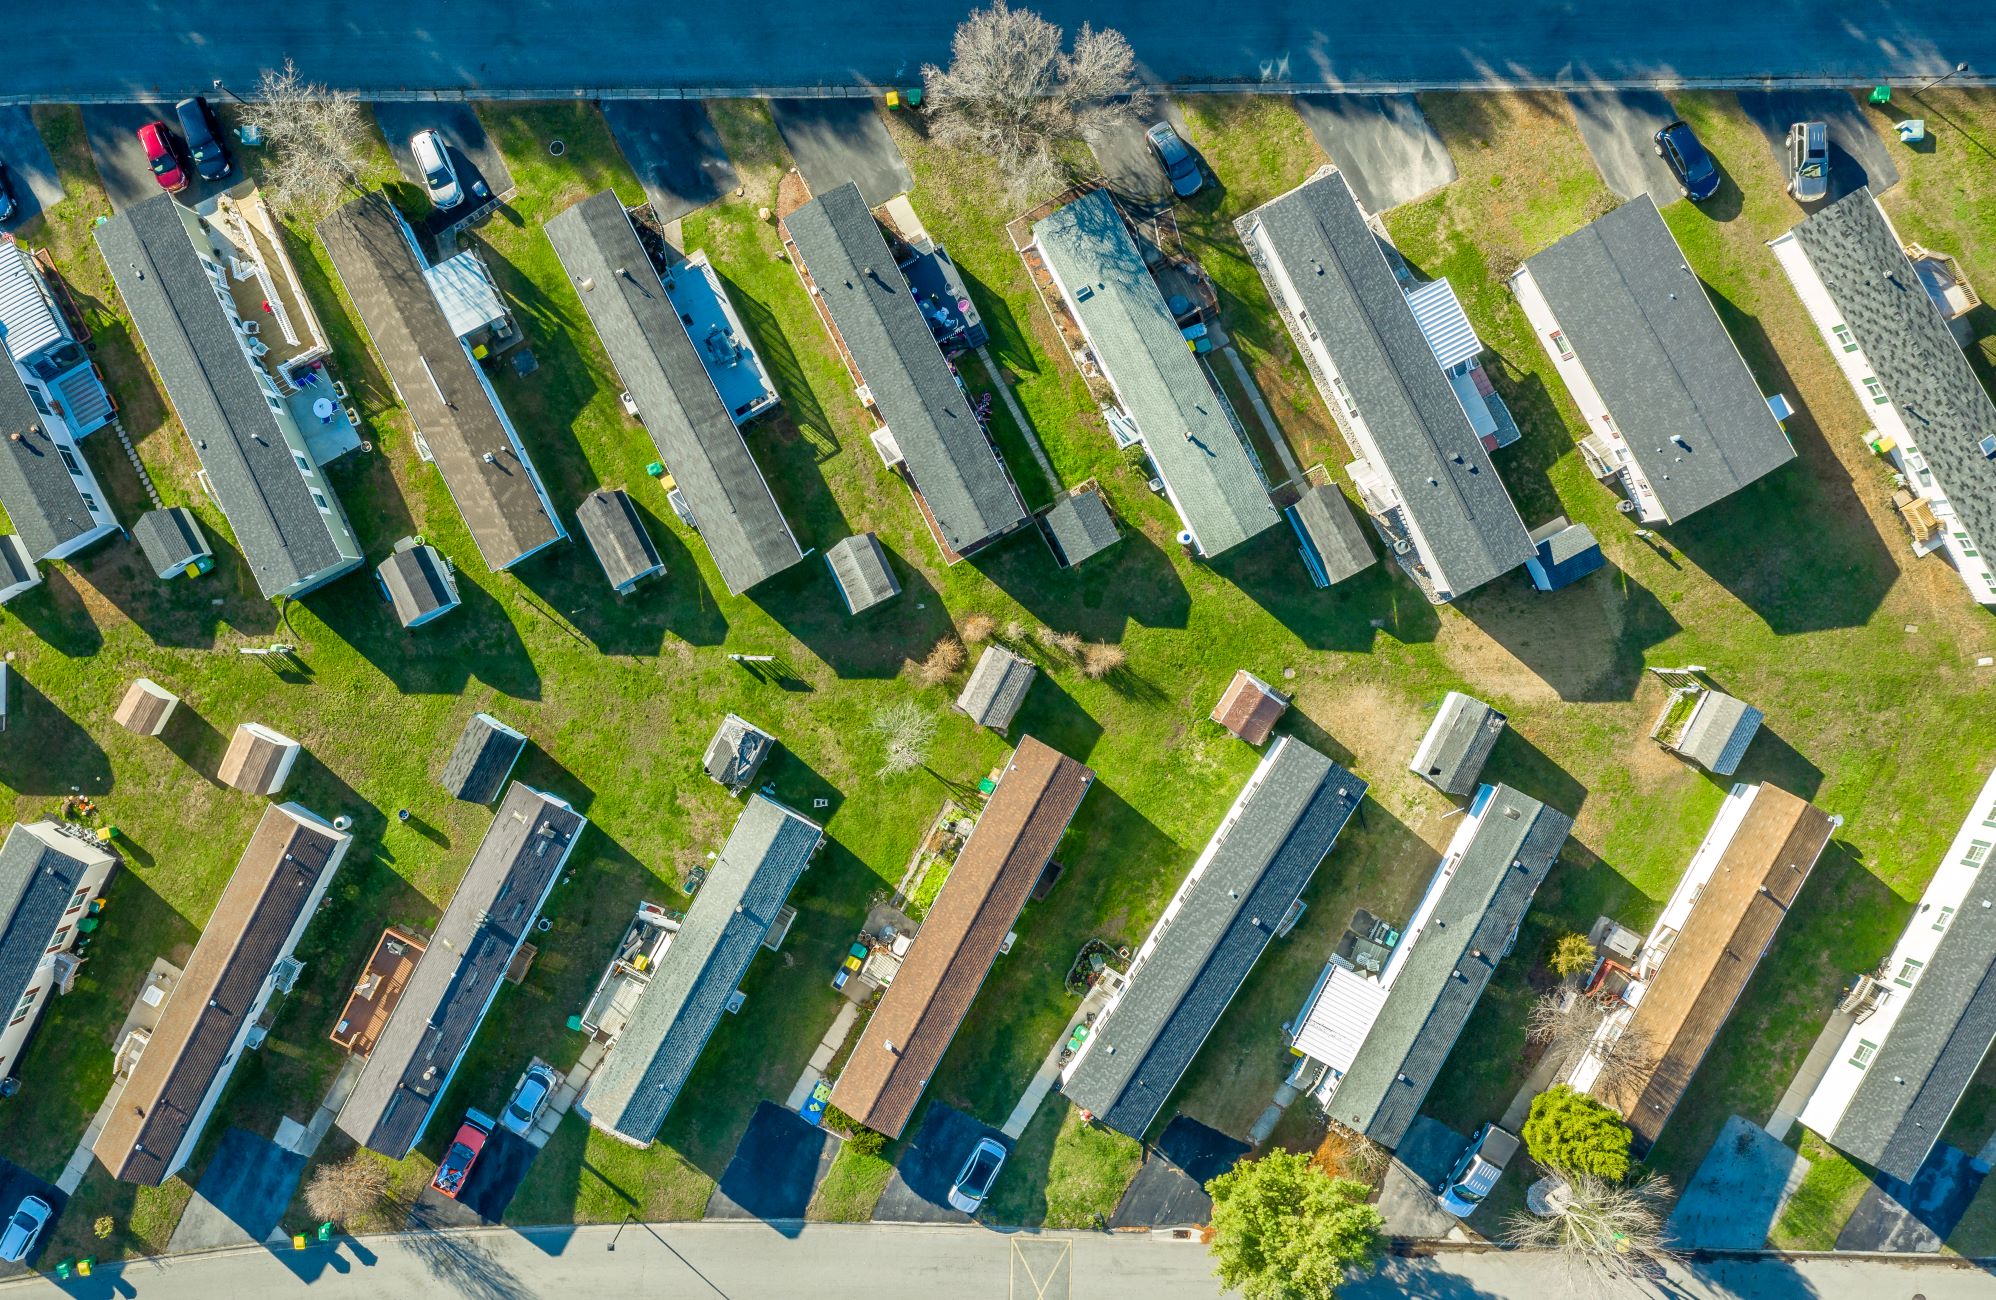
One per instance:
(139, 49)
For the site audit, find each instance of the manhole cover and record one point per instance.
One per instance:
(557, 148)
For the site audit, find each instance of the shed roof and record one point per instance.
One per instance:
(1457, 744)
(256, 757)
(695, 435)
(1323, 520)
(617, 537)
(859, 566)
(997, 687)
(1720, 729)
(1567, 552)
(737, 751)
(1079, 525)
(418, 582)
(37, 490)
(171, 539)
(17, 565)
(1186, 428)
(482, 760)
(145, 708)
(1250, 707)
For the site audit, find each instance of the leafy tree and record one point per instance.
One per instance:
(1283, 1229)
(1572, 1134)
(1571, 955)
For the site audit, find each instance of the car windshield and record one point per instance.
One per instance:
(981, 1170)
(162, 164)
(22, 1221)
(460, 1155)
(438, 176)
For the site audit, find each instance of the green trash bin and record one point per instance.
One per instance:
(1881, 94)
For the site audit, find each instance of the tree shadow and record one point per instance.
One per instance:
(1134, 581)
(477, 640)
(1585, 641)
(62, 756)
(875, 643)
(1349, 616)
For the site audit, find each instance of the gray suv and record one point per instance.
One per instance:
(1809, 161)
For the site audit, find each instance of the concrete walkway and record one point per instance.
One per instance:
(72, 1173)
(1521, 1105)
(1043, 1079)
(1267, 418)
(821, 1059)
(1019, 418)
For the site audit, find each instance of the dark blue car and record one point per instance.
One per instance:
(1697, 175)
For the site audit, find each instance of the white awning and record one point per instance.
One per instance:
(1335, 1026)
(1442, 322)
(26, 318)
(465, 291)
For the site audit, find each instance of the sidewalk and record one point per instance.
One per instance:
(1043, 1079)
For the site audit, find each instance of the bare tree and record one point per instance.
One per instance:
(1613, 1230)
(347, 1191)
(1013, 94)
(1567, 1027)
(316, 140)
(944, 658)
(907, 728)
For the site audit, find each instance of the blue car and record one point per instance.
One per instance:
(1181, 165)
(1697, 175)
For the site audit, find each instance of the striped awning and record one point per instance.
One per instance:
(1443, 324)
(26, 318)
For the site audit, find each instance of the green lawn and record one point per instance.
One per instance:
(1820, 1207)
(852, 1186)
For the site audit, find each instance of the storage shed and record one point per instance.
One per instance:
(1078, 526)
(483, 759)
(1332, 545)
(737, 752)
(173, 543)
(1250, 707)
(1566, 553)
(997, 687)
(146, 708)
(420, 584)
(1458, 743)
(259, 760)
(859, 566)
(609, 519)
(18, 572)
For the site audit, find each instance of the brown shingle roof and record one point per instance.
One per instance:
(255, 759)
(273, 886)
(1250, 708)
(1730, 927)
(994, 874)
(145, 708)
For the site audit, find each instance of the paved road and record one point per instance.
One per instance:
(753, 1261)
(555, 46)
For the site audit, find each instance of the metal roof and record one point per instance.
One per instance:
(28, 321)
(1443, 324)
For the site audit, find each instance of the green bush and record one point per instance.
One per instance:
(1571, 955)
(866, 1142)
(1571, 1133)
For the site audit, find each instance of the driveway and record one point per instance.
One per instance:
(112, 130)
(1170, 1190)
(16, 1185)
(242, 1196)
(1620, 129)
(838, 140)
(476, 159)
(1406, 1197)
(1915, 1217)
(919, 1190)
(1738, 1191)
(488, 1189)
(672, 145)
(1129, 167)
(1859, 156)
(30, 171)
(1383, 144)
(775, 1169)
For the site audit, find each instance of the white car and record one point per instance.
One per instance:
(433, 160)
(967, 1193)
(530, 1098)
(24, 1229)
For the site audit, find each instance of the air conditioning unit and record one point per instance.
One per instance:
(252, 328)
(735, 1001)
(284, 976)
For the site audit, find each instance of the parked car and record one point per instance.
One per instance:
(7, 203)
(203, 135)
(463, 1154)
(1809, 161)
(1697, 175)
(433, 160)
(163, 156)
(24, 1229)
(967, 1193)
(530, 1097)
(1181, 165)
(1476, 1171)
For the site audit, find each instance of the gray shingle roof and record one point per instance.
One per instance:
(1323, 518)
(446, 999)
(171, 539)
(1903, 335)
(609, 519)
(1719, 733)
(483, 759)
(17, 564)
(696, 438)
(40, 868)
(418, 585)
(1444, 974)
(737, 752)
(37, 490)
(678, 1010)
(214, 391)
(453, 409)
(1457, 744)
(997, 687)
(1639, 320)
(1320, 243)
(947, 452)
(1254, 870)
(1186, 428)
(1567, 552)
(859, 565)
(1079, 525)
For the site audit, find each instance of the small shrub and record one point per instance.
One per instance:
(104, 1227)
(977, 628)
(1100, 658)
(866, 1142)
(944, 659)
(1015, 631)
(1571, 955)
(841, 1123)
(1066, 643)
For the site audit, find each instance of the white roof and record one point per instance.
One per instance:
(464, 289)
(1443, 324)
(26, 318)
(1336, 1024)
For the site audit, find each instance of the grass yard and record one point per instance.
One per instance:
(1070, 1173)
(1824, 1202)
(852, 1187)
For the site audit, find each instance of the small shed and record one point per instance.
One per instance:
(609, 519)
(484, 758)
(1078, 526)
(859, 567)
(173, 543)
(1330, 541)
(420, 583)
(997, 687)
(146, 708)
(1709, 727)
(1566, 552)
(259, 760)
(737, 752)
(1451, 756)
(1250, 707)
(17, 568)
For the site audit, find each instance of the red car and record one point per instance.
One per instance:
(463, 1154)
(163, 156)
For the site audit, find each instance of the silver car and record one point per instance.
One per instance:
(530, 1098)
(24, 1229)
(433, 161)
(1809, 161)
(967, 1193)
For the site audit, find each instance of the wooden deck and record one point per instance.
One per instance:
(378, 990)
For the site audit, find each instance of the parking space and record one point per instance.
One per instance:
(775, 1169)
(488, 1189)
(1406, 1194)
(16, 1186)
(1859, 156)
(1384, 145)
(673, 147)
(1915, 1217)
(1738, 1191)
(1170, 1190)
(113, 132)
(242, 1195)
(1129, 166)
(1619, 127)
(919, 1190)
(31, 174)
(481, 169)
(838, 140)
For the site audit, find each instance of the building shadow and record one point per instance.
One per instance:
(1348, 616)
(1771, 758)
(805, 600)
(477, 640)
(194, 741)
(574, 593)
(1585, 641)
(813, 428)
(55, 612)
(1051, 715)
(1523, 766)
(45, 751)
(1297, 722)
(1133, 581)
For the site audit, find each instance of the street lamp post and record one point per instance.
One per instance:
(245, 103)
(1956, 71)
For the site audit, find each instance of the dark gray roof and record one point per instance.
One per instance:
(1457, 744)
(1324, 519)
(1443, 974)
(677, 1011)
(446, 999)
(1911, 351)
(1567, 552)
(40, 868)
(1942, 1035)
(997, 687)
(859, 565)
(171, 539)
(1449, 489)
(947, 452)
(1719, 733)
(1079, 525)
(17, 563)
(618, 538)
(696, 437)
(1638, 319)
(36, 489)
(1254, 871)
(419, 585)
(737, 752)
(214, 391)
(1187, 431)
(454, 410)
(483, 759)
